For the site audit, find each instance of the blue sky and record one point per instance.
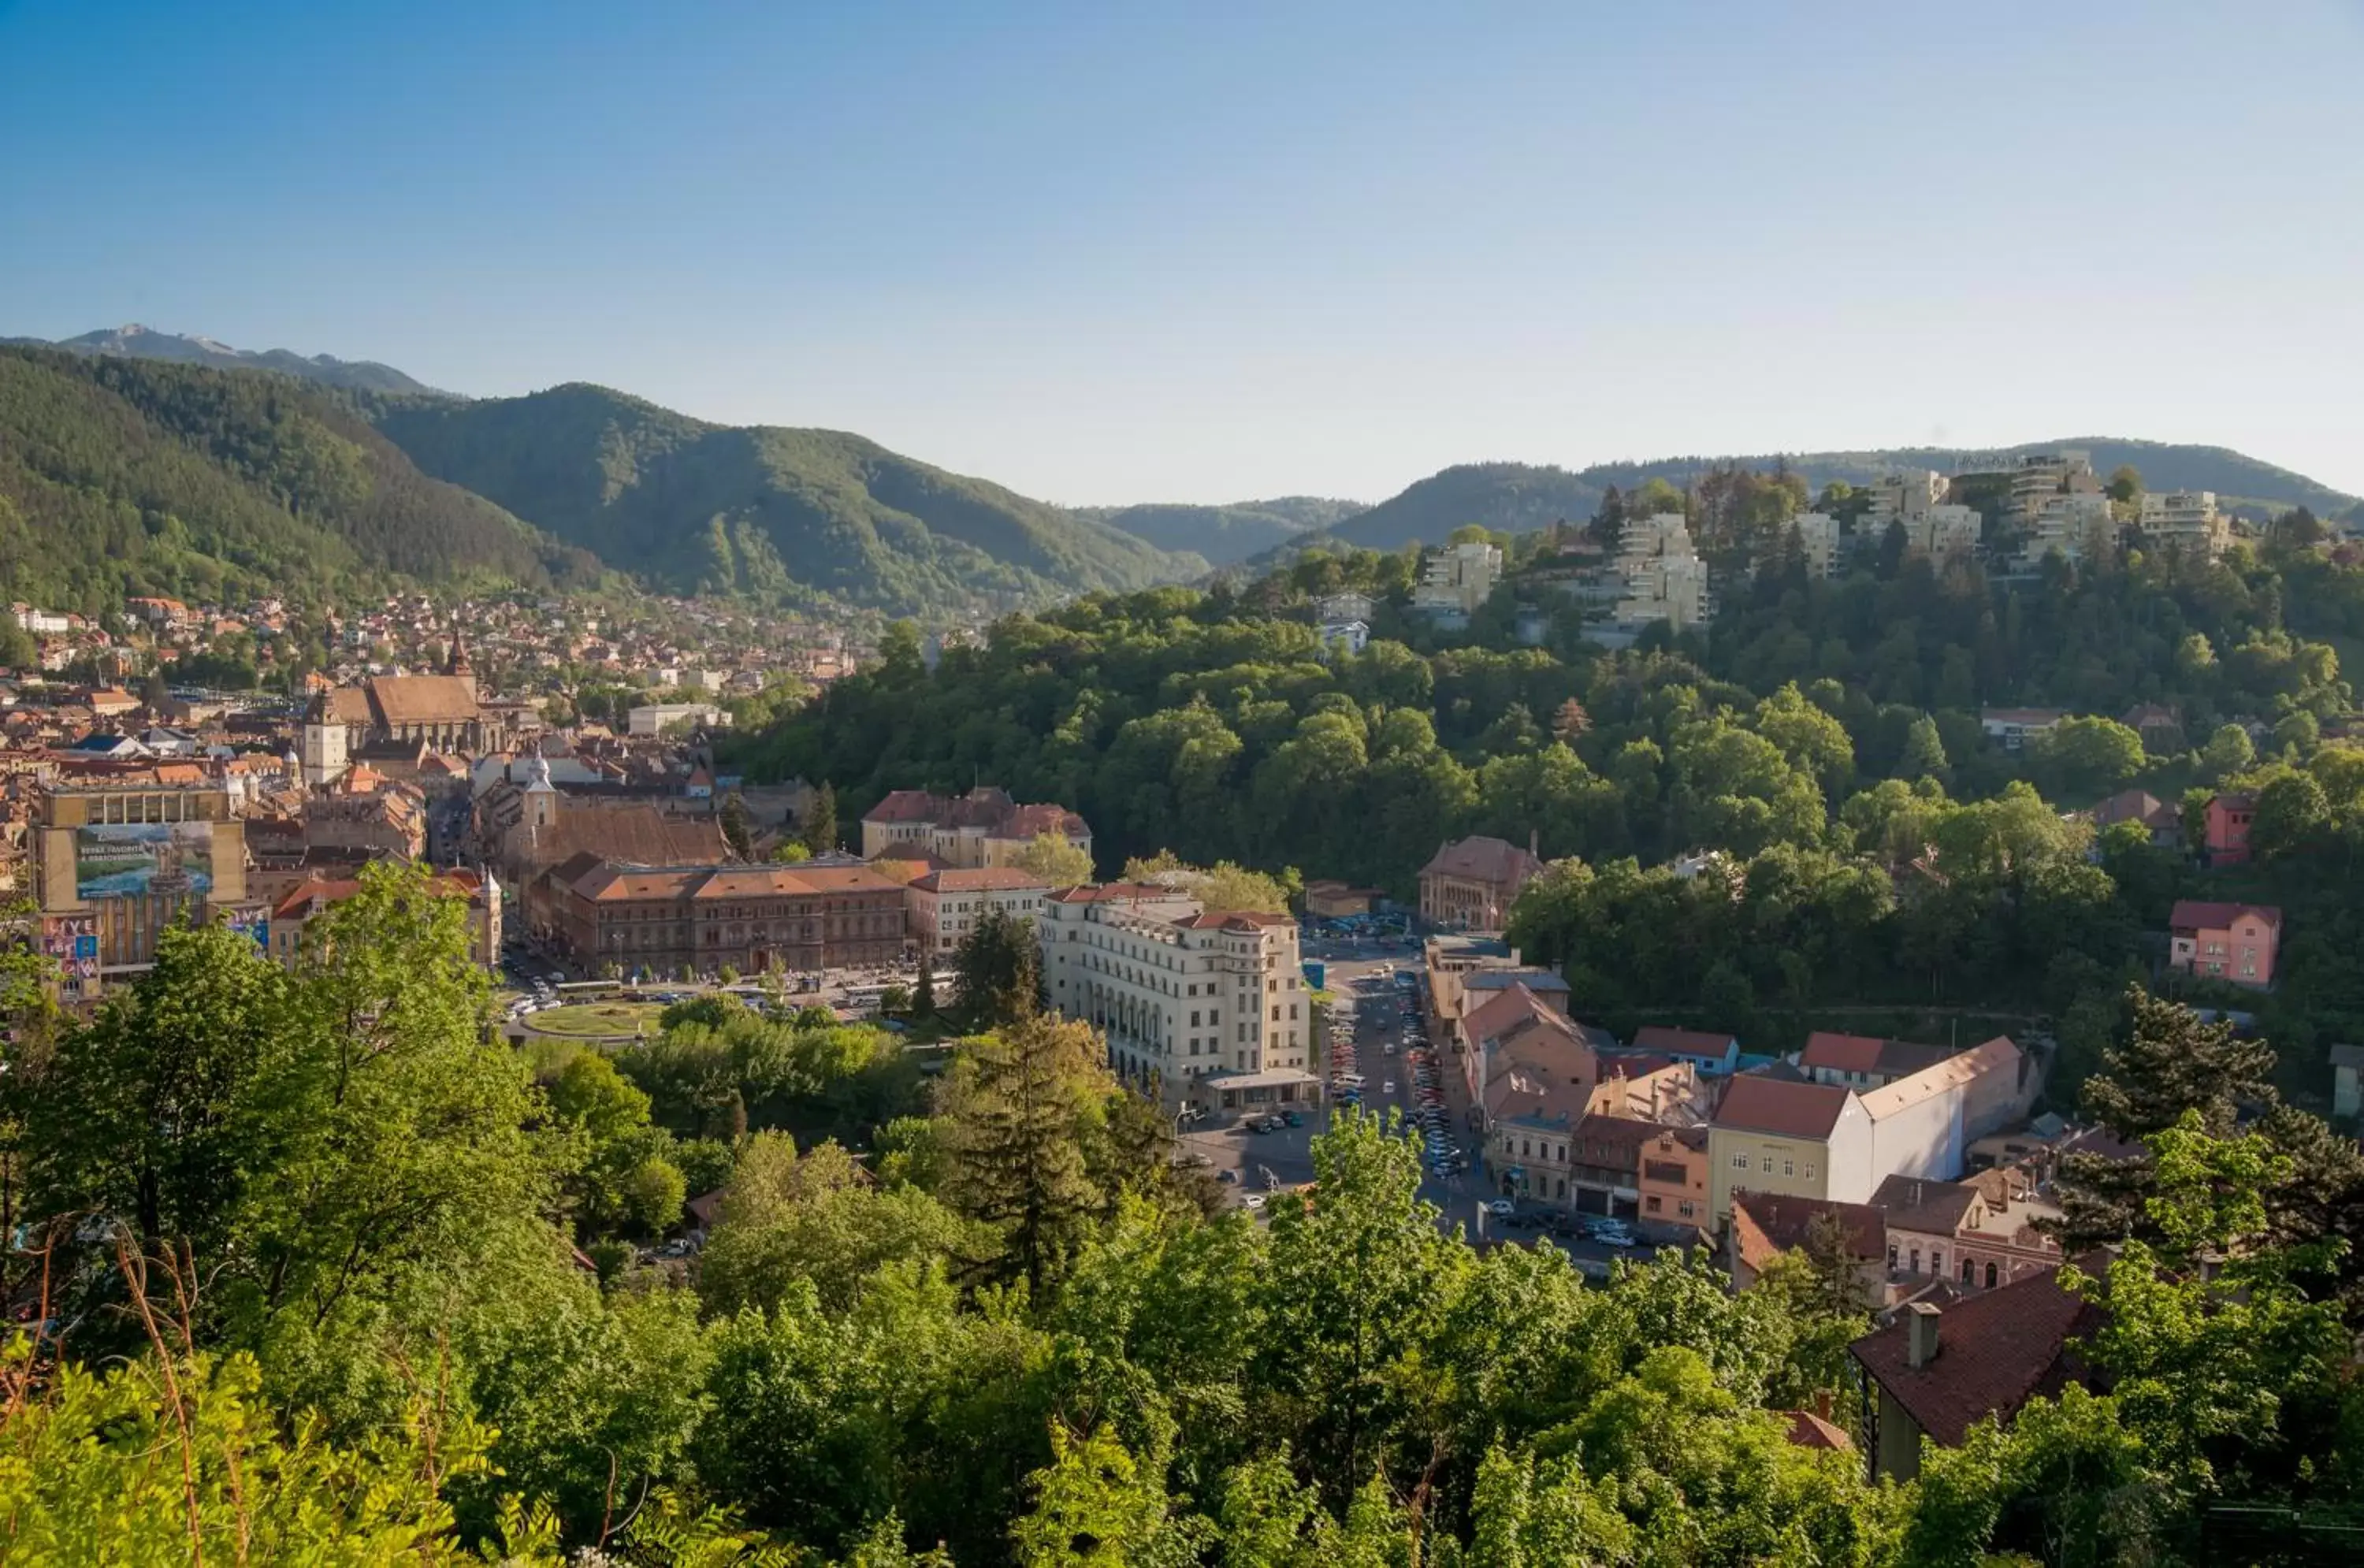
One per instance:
(1123, 252)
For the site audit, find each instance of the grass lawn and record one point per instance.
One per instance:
(594, 1020)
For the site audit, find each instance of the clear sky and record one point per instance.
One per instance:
(1118, 252)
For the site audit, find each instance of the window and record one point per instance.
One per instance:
(1990, 1276)
(1809, 1172)
(1916, 1259)
(1194, 1014)
(1740, 1162)
(1768, 1164)
(1788, 1167)
(1892, 1255)
(1651, 1204)
(1687, 1208)
(1968, 1269)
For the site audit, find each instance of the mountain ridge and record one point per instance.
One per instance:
(704, 506)
(134, 341)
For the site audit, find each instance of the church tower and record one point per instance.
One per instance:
(457, 663)
(324, 745)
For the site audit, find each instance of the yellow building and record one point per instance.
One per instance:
(1778, 1135)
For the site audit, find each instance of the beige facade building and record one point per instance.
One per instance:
(1456, 580)
(1775, 1135)
(983, 827)
(1202, 1008)
(2186, 519)
(943, 906)
(1471, 884)
(1665, 578)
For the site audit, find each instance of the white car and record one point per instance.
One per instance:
(1389, 1087)
(1501, 1208)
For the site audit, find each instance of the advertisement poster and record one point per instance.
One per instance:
(252, 921)
(133, 859)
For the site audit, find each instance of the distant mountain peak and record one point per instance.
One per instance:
(137, 340)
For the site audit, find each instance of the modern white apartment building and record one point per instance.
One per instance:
(2076, 524)
(1940, 531)
(1902, 496)
(1665, 578)
(943, 906)
(2186, 518)
(1819, 536)
(1200, 1008)
(1457, 580)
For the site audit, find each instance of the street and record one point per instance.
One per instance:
(1405, 1073)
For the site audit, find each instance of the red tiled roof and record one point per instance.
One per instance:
(1808, 1430)
(1683, 1042)
(1995, 1351)
(1761, 1104)
(2197, 915)
(1841, 1053)
(904, 806)
(979, 879)
(1765, 1223)
(1481, 858)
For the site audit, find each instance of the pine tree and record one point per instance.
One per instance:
(734, 827)
(998, 970)
(1925, 753)
(1570, 722)
(2169, 1064)
(1014, 1106)
(820, 822)
(923, 990)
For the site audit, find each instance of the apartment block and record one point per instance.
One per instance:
(1456, 580)
(943, 906)
(1665, 578)
(1199, 1007)
(2186, 519)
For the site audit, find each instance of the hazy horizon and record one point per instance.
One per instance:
(1109, 257)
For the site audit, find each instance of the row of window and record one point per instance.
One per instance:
(1789, 1164)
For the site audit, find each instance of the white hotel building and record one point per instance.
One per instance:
(1203, 1009)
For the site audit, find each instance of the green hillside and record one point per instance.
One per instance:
(1515, 497)
(129, 476)
(1224, 534)
(709, 508)
(1521, 496)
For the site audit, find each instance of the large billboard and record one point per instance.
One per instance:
(73, 941)
(136, 860)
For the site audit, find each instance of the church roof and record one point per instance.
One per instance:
(423, 699)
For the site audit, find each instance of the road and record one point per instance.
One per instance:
(1384, 1013)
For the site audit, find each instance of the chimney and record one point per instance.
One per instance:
(1920, 1334)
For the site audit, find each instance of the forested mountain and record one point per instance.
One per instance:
(764, 509)
(130, 476)
(1517, 497)
(1225, 534)
(136, 342)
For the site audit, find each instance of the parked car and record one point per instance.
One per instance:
(1501, 1208)
(1613, 1233)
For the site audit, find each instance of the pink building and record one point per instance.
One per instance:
(2229, 817)
(2224, 941)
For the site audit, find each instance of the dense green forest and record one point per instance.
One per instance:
(121, 477)
(1825, 736)
(326, 1271)
(708, 507)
